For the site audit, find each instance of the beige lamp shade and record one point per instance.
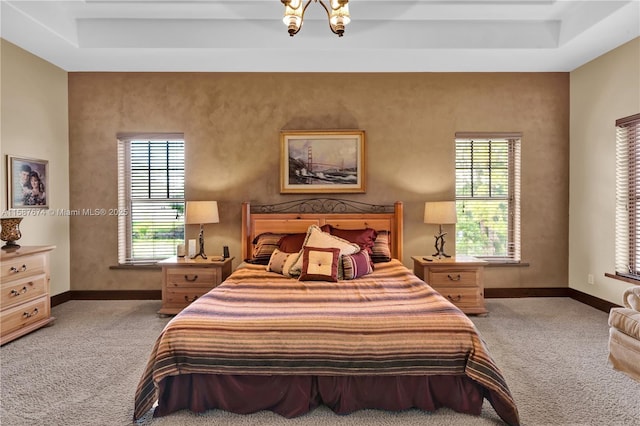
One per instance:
(440, 212)
(200, 212)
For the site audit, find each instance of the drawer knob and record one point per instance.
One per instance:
(15, 292)
(15, 270)
(454, 299)
(30, 314)
(186, 277)
(186, 298)
(456, 278)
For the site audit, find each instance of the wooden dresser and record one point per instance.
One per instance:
(185, 279)
(459, 279)
(25, 299)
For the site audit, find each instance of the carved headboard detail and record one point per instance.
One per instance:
(296, 216)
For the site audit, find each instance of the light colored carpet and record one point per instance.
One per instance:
(84, 370)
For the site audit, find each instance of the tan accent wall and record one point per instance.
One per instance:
(602, 91)
(232, 121)
(34, 121)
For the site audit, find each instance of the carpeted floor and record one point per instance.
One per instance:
(85, 368)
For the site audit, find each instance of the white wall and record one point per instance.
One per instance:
(602, 91)
(34, 124)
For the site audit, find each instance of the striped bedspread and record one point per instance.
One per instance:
(261, 323)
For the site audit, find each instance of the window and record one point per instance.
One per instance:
(628, 196)
(151, 193)
(488, 195)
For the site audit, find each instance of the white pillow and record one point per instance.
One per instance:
(317, 238)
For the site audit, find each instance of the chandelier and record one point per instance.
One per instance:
(337, 12)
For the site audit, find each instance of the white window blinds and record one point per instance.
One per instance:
(628, 196)
(488, 195)
(151, 190)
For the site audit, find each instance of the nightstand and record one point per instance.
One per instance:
(185, 279)
(459, 279)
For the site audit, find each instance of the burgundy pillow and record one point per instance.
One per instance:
(292, 243)
(365, 238)
(320, 264)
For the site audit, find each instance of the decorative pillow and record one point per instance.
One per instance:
(381, 252)
(278, 261)
(292, 243)
(317, 238)
(365, 238)
(356, 265)
(264, 245)
(320, 264)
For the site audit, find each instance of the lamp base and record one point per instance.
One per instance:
(201, 240)
(439, 245)
(11, 245)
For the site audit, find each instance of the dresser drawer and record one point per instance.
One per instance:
(453, 277)
(183, 296)
(463, 297)
(25, 265)
(25, 315)
(193, 277)
(22, 290)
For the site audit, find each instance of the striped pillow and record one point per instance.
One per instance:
(264, 246)
(381, 251)
(356, 265)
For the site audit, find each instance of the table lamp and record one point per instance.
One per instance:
(440, 213)
(201, 212)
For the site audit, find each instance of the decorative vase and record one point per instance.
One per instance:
(10, 232)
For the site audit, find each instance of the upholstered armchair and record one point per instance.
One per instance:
(624, 334)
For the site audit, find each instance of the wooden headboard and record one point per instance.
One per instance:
(297, 216)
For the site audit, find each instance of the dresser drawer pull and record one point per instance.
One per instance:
(30, 314)
(15, 292)
(15, 270)
(456, 278)
(186, 298)
(454, 299)
(186, 277)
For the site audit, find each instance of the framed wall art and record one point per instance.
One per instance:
(27, 182)
(322, 161)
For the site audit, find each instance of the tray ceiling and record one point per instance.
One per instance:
(383, 36)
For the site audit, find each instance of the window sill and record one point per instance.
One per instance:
(503, 263)
(623, 278)
(137, 266)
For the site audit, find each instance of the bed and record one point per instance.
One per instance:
(265, 341)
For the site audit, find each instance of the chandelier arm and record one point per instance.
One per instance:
(326, 9)
(304, 9)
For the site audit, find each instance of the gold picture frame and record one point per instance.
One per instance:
(27, 183)
(322, 161)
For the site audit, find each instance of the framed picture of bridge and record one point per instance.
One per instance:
(322, 161)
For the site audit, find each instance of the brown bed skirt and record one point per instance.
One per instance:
(292, 396)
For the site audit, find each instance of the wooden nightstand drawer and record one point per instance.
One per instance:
(18, 291)
(193, 277)
(25, 265)
(462, 297)
(183, 296)
(25, 315)
(457, 277)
